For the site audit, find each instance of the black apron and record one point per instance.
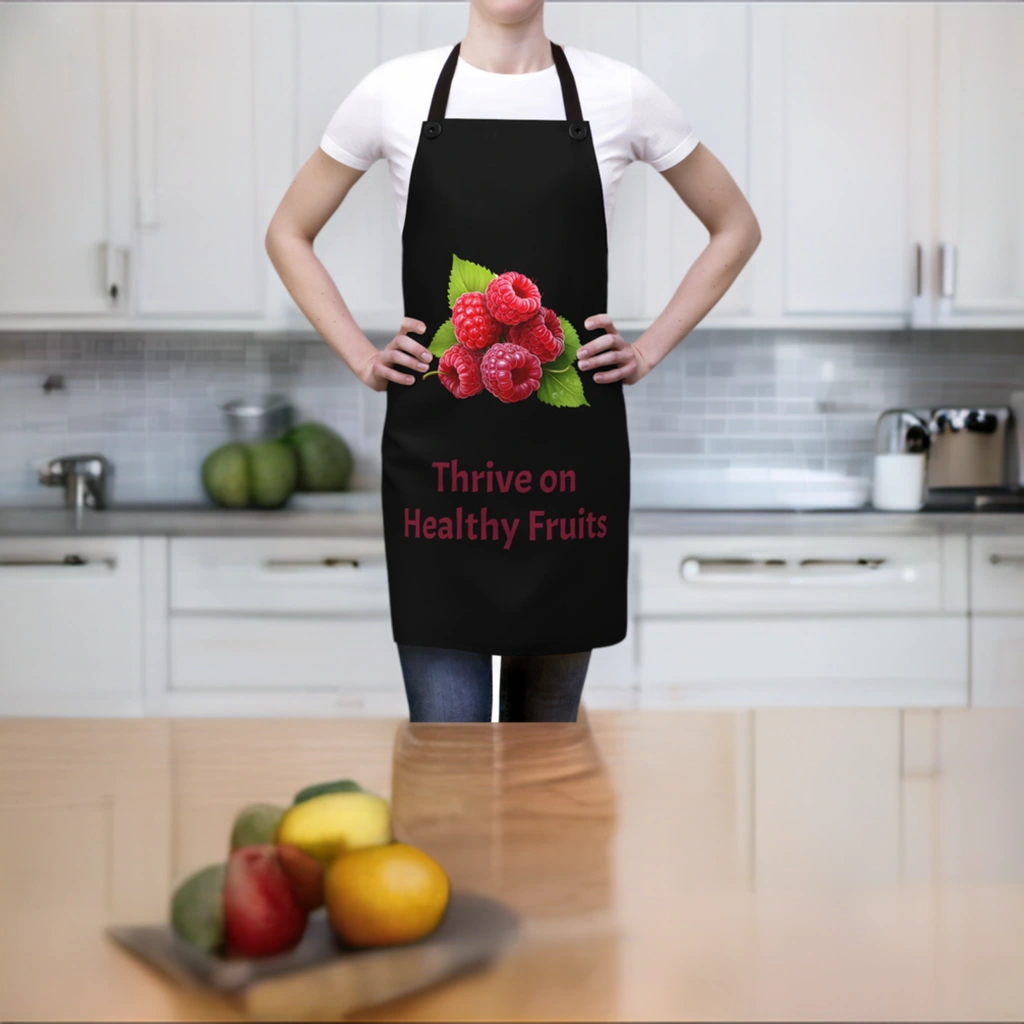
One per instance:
(505, 469)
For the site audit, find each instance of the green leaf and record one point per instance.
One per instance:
(572, 343)
(563, 389)
(444, 338)
(467, 277)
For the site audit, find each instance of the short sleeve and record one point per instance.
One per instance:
(353, 136)
(660, 133)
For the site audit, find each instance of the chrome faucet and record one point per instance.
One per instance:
(84, 479)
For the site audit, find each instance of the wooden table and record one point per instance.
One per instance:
(784, 864)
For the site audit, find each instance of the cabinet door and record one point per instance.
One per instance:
(835, 118)
(70, 626)
(981, 156)
(196, 164)
(997, 653)
(61, 194)
(700, 55)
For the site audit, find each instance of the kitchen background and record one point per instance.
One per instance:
(150, 401)
(146, 147)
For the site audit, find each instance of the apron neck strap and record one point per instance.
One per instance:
(570, 97)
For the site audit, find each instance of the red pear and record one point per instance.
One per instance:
(262, 915)
(305, 874)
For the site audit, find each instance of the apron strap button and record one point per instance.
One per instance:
(577, 130)
(432, 129)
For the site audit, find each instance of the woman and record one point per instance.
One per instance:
(505, 457)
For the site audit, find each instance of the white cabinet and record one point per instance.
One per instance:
(70, 626)
(980, 78)
(803, 660)
(836, 121)
(868, 137)
(278, 625)
(997, 575)
(997, 658)
(806, 620)
(65, 95)
(336, 45)
(700, 55)
(997, 621)
(198, 251)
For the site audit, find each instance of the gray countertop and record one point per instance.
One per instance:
(213, 522)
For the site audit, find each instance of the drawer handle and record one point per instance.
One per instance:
(68, 561)
(312, 563)
(1006, 559)
(691, 568)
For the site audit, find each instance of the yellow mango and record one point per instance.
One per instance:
(329, 825)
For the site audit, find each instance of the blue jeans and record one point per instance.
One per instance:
(445, 685)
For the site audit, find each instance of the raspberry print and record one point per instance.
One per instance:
(499, 338)
(512, 297)
(541, 334)
(459, 371)
(510, 372)
(473, 323)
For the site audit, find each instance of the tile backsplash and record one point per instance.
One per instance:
(150, 402)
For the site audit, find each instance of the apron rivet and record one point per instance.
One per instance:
(577, 130)
(432, 129)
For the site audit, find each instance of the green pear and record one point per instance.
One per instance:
(255, 825)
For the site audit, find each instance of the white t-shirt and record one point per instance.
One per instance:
(631, 118)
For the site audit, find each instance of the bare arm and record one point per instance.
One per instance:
(311, 200)
(709, 191)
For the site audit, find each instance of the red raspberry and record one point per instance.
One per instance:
(459, 371)
(541, 334)
(512, 297)
(473, 323)
(510, 372)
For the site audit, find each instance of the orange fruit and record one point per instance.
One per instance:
(385, 895)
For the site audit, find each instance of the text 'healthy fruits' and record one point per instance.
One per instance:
(265, 912)
(197, 911)
(328, 825)
(385, 896)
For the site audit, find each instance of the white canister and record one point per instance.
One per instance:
(899, 481)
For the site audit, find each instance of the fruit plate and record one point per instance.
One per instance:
(322, 977)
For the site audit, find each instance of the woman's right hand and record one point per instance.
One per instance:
(401, 350)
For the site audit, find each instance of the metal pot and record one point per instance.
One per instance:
(259, 420)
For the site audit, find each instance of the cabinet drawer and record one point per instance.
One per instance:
(243, 653)
(70, 621)
(708, 575)
(997, 654)
(286, 574)
(803, 661)
(997, 574)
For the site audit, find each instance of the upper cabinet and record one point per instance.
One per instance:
(700, 55)
(65, 95)
(980, 170)
(198, 254)
(147, 147)
(336, 45)
(837, 127)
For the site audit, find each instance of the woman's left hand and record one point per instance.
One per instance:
(625, 361)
